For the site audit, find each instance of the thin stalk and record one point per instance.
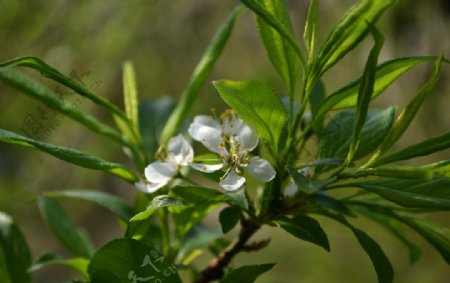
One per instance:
(165, 231)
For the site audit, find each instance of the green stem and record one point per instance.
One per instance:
(165, 231)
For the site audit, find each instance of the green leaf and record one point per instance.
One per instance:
(393, 226)
(199, 76)
(110, 202)
(157, 202)
(270, 19)
(309, 35)
(405, 172)
(317, 97)
(201, 201)
(246, 274)
(185, 217)
(440, 169)
(130, 94)
(386, 73)
(124, 259)
(324, 199)
(436, 235)
(153, 115)
(382, 265)
(69, 155)
(198, 238)
(349, 32)
(305, 228)
(140, 223)
(431, 145)
(405, 118)
(37, 91)
(197, 195)
(15, 256)
(78, 264)
(410, 193)
(258, 105)
(51, 73)
(280, 52)
(306, 185)
(229, 217)
(336, 138)
(238, 198)
(57, 219)
(364, 94)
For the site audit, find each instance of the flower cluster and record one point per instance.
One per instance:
(229, 138)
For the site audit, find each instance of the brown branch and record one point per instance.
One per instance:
(216, 267)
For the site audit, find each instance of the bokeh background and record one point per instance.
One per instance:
(165, 39)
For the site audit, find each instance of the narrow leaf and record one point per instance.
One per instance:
(280, 52)
(349, 32)
(436, 235)
(70, 155)
(114, 204)
(130, 95)
(15, 256)
(405, 172)
(57, 219)
(393, 226)
(153, 115)
(410, 111)
(258, 105)
(141, 222)
(52, 73)
(431, 145)
(78, 264)
(305, 228)
(410, 193)
(365, 94)
(265, 15)
(197, 195)
(37, 91)
(381, 263)
(335, 139)
(199, 76)
(386, 73)
(309, 186)
(186, 217)
(309, 34)
(157, 202)
(317, 97)
(247, 274)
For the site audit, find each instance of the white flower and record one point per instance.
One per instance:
(159, 173)
(232, 141)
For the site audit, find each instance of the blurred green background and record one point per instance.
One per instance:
(165, 39)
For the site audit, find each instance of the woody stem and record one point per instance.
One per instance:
(216, 267)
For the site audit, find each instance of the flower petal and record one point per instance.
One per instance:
(207, 168)
(247, 137)
(231, 124)
(160, 172)
(147, 187)
(207, 121)
(181, 150)
(207, 131)
(261, 169)
(232, 180)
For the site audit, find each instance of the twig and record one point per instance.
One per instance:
(216, 267)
